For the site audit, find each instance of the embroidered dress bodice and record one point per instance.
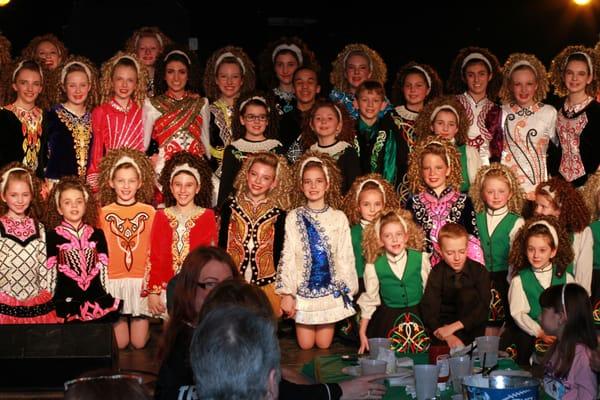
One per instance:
(31, 121)
(569, 125)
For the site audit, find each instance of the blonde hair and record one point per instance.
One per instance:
(337, 77)
(93, 97)
(331, 171)
(108, 69)
(23, 174)
(530, 62)
(210, 72)
(591, 195)
(498, 171)
(367, 182)
(439, 147)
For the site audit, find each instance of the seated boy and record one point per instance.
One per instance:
(456, 300)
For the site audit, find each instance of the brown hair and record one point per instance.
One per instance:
(5, 63)
(267, 65)
(30, 51)
(574, 214)
(93, 97)
(498, 171)
(204, 197)
(210, 72)
(238, 130)
(371, 86)
(424, 120)
(337, 77)
(452, 230)
(191, 64)
(411, 68)
(518, 251)
(332, 197)
(36, 207)
(54, 218)
(10, 77)
(456, 83)
(125, 60)
(441, 148)
(506, 94)
(559, 64)
(591, 195)
(350, 201)
(348, 133)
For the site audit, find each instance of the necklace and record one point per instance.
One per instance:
(318, 211)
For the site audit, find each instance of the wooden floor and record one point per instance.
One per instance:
(144, 362)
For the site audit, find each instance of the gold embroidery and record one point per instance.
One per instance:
(81, 130)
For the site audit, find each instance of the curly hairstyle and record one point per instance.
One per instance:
(591, 195)
(348, 133)
(506, 94)
(426, 117)
(371, 242)
(108, 69)
(107, 171)
(573, 53)
(442, 148)
(332, 197)
(146, 31)
(413, 68)
(93, 98)
(267, 65)
(238, 130)
(5, 63)
(499, 171)
(53, 217)
(368, 182)
(210, 72)
(280, 194)
(36, 207)
(30, 51)
(204, 197)
(5, 51)
(574, 214)
(518, 251)
(193, 69)
(456, 83)
(337, 77)
(21, 64)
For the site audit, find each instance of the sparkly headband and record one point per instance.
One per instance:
(5, 175)
(20, 66)
(291, 47)
(359, 52)
(377, 225)
(421, 69)
(522, 63)
(444, 107)
(257, 98)
(63, 73)
(229, 54)
(362, 184)
(138, 37)
(181, 53)
(587, 58)
(552, 230)
(445, 152)
(187, 168)
(86, 196)
(476, 56)
(124, 160)
(317, 160)
(137, 65)
(67, 384)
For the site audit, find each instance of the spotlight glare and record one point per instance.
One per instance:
(4, 2)
(582, 2)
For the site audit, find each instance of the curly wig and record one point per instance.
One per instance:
(280, 194)
(210, 72)
(31, 65)
(267, 64)
(570, 53)
(5, 51)
(337, 77)
(414, 68)
(591, 195)
(574, 214)
(125, 59)
(238, 130)
(457, 84)
(499, 171)
(30, 51)
(53, 217)
(204, 197)
(367, 182)
(146, 31)
(515, 62)
(5, 63)
(348, 133)
(426, 118)
(36, 207)
(172, 53)
(107, 171)
(442, 148)
(371, 242)
(72, 64)
(332, 197)
(518, 251)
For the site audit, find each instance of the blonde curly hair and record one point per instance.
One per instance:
(442, 148)
(426, 117)
(280, 194)
(414, 67)
(337, 77)
(499, 171)
(456, 83)
(515, 62)
(107, 171)
(574, 214)
(93, 98)
(37, 205)
(574, 53)
(334, 178)
(368, 182)
(591, 195)
(371, 242)
(129, 60)
(267, 66)
(146, 31)
(210, 72)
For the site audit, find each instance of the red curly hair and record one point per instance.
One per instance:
(574, 214)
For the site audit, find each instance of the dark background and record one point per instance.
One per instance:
(401, 31)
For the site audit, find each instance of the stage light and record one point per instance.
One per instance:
(582, 2)
(4, 2)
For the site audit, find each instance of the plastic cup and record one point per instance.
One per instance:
(372, 367)
(459, 368)
(487, 347)
(426, 377)
(375, 344)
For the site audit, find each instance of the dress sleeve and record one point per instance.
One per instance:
(205, 134)
(551, 127)
(149, 116)
(101, 256)
(432, 299)
(469, 221)
(47, 272)
(230, 168)
(584, 381)
(350, 167)
(425, 269)
(287, 282)
(519, 308)
(583, 247)
(159, 268)
(99, 131)
(279, 237)
(346, 263)
(211, 228)
(369, 300)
